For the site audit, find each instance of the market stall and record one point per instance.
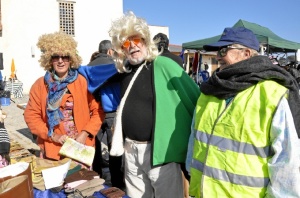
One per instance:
(272, 42)
(50, 179)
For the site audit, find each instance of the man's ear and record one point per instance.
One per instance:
(247, 53)
(110, 52)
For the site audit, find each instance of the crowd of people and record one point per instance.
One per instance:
(235, 135)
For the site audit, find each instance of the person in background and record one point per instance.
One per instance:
(206, 67)
(155, 112)
(293, 71)
(59, 106)
(204, 73)
(162, 43)
(104, 56)
(244, 141)
(94, 56)
(288, 66)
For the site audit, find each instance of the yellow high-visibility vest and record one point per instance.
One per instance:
(231, 145)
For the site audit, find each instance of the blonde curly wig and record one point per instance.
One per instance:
(58, 43)
(126, 26)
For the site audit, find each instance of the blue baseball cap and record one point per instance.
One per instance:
(235, 35)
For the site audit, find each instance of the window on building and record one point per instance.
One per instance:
(66, 17)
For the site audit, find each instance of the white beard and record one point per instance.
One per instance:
(136, 61)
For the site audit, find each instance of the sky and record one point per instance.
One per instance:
(190, 20)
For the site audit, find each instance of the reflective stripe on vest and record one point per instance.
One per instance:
(231, 146)
(230, 177)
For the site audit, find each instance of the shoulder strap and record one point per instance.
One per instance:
(117, 148)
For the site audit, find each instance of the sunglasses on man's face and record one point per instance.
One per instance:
(126, 43)
(223, 51)
(55, 58)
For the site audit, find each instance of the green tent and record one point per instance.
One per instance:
(265, 36)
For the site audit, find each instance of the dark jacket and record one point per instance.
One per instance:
(172, 56)
(102, 59)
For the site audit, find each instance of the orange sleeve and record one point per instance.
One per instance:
(96, 116)
(34, 114)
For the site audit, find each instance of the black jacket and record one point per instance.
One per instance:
(102, 59)
(172, 56)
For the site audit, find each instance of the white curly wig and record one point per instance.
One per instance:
(58, 43)
(126, 26)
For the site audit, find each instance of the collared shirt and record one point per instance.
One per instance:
(284, 166)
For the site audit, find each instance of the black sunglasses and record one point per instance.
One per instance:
(223, 51)
(55, 58)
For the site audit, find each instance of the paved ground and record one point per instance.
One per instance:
(15, 124)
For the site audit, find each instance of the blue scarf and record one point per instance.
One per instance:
(56, 89)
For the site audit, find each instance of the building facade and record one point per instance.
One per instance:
(23, 21)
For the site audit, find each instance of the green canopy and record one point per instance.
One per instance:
(264, 35)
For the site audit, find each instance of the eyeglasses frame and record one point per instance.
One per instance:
(55, 58)
(227, 48)
(127, 42)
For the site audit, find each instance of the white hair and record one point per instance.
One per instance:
(126, 26)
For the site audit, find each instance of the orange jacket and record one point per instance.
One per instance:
(88, 114)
